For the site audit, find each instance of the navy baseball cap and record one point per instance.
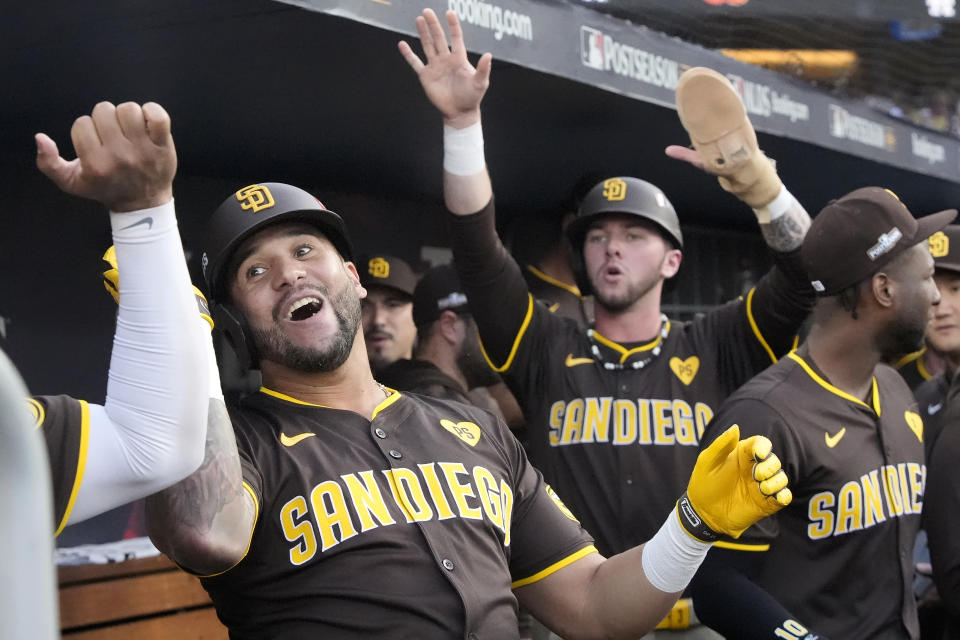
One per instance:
(852, 237)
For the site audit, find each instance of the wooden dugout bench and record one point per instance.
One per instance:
(144, 598)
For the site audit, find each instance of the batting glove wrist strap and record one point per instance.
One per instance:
(693, 525)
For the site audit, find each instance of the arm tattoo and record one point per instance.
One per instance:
(188, 511)
(786, 233)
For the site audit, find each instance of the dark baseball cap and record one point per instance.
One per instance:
(945, 248)
(439, 290)
(381, 270)
(851, 238)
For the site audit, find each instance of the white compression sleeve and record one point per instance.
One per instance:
(150, 432)
(672, 556)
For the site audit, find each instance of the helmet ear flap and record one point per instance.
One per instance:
(229, 321)
(577, 264)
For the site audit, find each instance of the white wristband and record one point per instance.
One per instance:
(672, 556)
(463, 150)
(775, 208)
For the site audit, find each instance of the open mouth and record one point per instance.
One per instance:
(304, 308)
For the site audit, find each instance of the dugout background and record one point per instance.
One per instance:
(263, 91)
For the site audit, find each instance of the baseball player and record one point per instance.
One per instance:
(149, 432)
(616, 412)
(387, 311)
(943, 336)
(449, 361)
(941, 505)
(340, 508)
(943, 333)
(840, 559)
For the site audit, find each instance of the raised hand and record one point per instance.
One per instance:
(451, 83)
(125, 157)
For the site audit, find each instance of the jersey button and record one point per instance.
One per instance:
(448, 564)
(380, 432)
(395, 454)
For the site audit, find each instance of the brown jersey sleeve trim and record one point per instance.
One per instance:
(253, 526)
(81, 464)
(741, 546)
(549, 280)
(540, 575)
(756, 329)
(516, 341)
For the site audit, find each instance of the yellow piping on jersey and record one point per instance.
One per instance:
(832, 389)
(253, 526)
(926, 375)
(81, 464)
(740, 546)
(756, 329)
(557, 283)
(910, 357)
(540, 575)
(626, 353)
(516, 341)
(277, 394)
(389, 400)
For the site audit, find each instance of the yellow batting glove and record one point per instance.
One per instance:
(111, 277)
(734, 484)
(111, 282)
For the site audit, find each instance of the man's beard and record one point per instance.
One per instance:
(625, 301)
(273, 345)
(901, 338)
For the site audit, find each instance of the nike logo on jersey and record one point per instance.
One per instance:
(834, 439)
(572, 362)
(147, 221)
(932, 409)
(289, 441)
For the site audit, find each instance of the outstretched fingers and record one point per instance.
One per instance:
(412, 59)
(685, 154)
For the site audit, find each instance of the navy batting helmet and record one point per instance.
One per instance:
(240, 216)
(253, 208)
(626, 195)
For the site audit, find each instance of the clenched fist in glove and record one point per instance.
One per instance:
(734, 483)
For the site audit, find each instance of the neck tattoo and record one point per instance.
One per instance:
(637, 364)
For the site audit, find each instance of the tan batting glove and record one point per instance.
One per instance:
(713, 114)
(111, 282)
(734, 484)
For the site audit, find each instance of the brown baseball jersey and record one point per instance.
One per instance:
(616, 428)
(559, 297)
(415, 524)
(65, 423)
(840, 556)
(913, 371)
(931, 405)
(941, 506)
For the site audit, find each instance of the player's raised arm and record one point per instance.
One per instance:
(456, 89)
(734, 484)
(149, 433)
(725, 145)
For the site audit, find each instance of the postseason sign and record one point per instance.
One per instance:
(615, 55)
